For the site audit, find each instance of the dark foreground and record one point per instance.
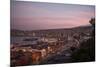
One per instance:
(54, 46)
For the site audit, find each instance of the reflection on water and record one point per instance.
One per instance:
(24, 40)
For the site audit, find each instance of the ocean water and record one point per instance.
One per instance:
(21, 40)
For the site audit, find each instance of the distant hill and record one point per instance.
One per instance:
(15, 32)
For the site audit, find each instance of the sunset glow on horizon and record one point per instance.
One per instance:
(38, 15)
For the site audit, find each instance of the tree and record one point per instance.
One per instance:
(92, 21)
(87, 49)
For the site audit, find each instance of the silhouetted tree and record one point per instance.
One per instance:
(92, 21)
(87, 49)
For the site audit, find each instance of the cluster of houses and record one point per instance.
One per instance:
(44, 47)
(37, 52)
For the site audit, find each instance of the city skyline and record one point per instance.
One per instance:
(39, 15)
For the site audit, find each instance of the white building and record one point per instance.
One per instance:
(49, 40)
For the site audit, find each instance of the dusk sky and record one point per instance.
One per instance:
(38, 15)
